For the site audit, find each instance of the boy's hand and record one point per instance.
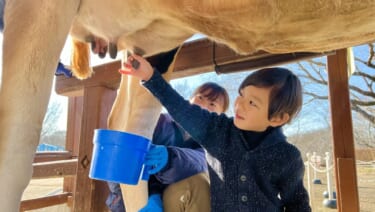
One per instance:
(156, 158)
(142, 71)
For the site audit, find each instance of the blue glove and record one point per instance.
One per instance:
(62, 70)
(156, 158)
(154, 204)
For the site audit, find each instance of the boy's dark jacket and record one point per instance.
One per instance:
(266, 178)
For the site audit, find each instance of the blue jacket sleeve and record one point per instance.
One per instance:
(164, 132)
(182, 163)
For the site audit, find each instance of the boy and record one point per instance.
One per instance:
(251, 165)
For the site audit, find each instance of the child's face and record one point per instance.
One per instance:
(251, 109)
(202, 101)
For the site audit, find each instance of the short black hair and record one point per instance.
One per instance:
(286, 90)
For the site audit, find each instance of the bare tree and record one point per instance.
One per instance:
(361, 85)
(362, 95)
(50, 125)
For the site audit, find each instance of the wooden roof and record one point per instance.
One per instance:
(196, 57)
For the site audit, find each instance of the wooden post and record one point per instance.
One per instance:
(90, 194)
(342, 132)
(75, 108)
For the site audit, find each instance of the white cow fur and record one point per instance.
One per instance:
(35, 32)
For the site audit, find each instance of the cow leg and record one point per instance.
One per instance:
(126, 115)
(34, 35)
(135, 110)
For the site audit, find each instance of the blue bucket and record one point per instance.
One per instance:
(118, 156)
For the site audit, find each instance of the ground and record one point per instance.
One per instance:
(43, 187)
(366, 189)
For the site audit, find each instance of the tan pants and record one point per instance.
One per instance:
(189, 195)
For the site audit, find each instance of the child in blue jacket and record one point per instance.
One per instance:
(252, 167)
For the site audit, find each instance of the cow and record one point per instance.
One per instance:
(35, 32)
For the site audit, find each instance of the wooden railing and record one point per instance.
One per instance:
(51, 165)
(45, 201)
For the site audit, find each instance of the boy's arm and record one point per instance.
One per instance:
(199, 123)
(182, 163)
(293, 193)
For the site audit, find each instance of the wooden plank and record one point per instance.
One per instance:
(69, 186)
(196, 57)
(52, 156)
(203, 56)
(43, 202)
(75, 108)
(70, 202)
(193, 58)
(108, 76)
(266, 60)
(342, 131)
(90, 194)
(347, 171)
(54, 169)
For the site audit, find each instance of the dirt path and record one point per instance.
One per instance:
(40, 188)
(366, 189)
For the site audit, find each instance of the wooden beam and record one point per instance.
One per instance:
(43, 202)
(203, 56)
(75, 110)
(105, 75)
(342, 133)
(54, 169)
(52, 156)
(90, 195)
(266, 60)
(196, 57)
(348, 187)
